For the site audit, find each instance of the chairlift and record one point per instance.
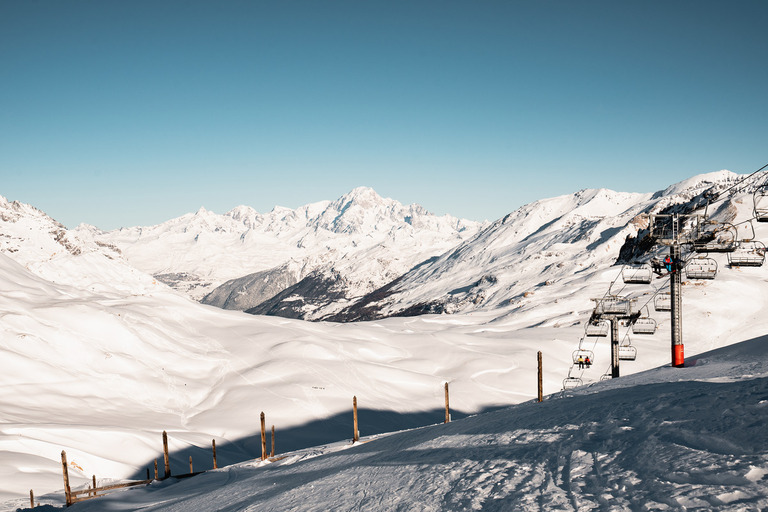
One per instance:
(613, 305)
(636, 274)
(663, 302)
(760, 199)
(583, 354)
(598, 328)
(644, 326)
(627, 352)
(746, 231)
(606, 376)
(572, 382)
(701, 268)
(751, 253)
(716, 237)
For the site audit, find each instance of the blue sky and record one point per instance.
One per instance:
(120, 113)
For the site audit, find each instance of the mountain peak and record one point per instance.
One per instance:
(364, 196)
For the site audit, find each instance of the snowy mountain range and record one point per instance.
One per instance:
(334, 250)
(100, 358)
(363, 257)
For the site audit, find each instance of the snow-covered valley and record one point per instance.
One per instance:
(100, 357)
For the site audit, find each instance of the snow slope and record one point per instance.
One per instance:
(665, 439)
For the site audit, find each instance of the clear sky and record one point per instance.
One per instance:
(125, 113)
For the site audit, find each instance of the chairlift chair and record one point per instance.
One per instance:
(583, 354)
(627, 353)
(644, 326)
(636, 274)
(572, 382)
(751, 253)
(715, 237)
(597, 329)
(663, 302)
(760, 200)
(606, 376)
(614, 305)
(701, 268)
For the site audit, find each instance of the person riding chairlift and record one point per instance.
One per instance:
(668, 263)
(580, 360)
(587, 362)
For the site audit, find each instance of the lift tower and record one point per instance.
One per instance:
(613, 308)
(673, 230)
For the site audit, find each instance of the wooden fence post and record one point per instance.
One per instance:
(165, 455)
(263, 438)
(190, 465)
(447, 406)
(356, 436)
(155, 469)
(541, 380)
(31, 499)
(94, 485)
(65, 470)
(215, 465)
(272, 453)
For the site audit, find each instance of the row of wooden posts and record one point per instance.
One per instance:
(82, 495)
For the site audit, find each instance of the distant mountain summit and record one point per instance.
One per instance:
(239, 259)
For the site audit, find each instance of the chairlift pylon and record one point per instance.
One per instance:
(750, 253)
(701, 268)
(636, 274)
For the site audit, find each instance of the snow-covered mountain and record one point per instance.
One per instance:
(543, 243)
(353, 245)
(46, 248)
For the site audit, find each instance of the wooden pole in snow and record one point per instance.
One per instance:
(155, 469)
(190, 465)
(272, 453)
(447, 406)
(215, 464)
(31, 499)
(166, 459)
(356, 435)
(263, 438)
(65, 470)
(541, 379)
(94, 485)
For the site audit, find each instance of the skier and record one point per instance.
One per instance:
(581, 363)
(668, 263)
(587, 362)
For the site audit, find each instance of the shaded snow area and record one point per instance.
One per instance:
(666, 439)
